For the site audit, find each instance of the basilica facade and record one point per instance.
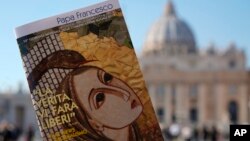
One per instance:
(191, 85)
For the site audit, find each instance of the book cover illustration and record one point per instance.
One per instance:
(85, 80)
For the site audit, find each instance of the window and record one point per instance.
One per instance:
(232, 64)
(193, 113)
(160, 113)
(233, 111)
(160, 91)
(193, 91)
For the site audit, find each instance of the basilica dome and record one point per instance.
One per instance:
(170, 34)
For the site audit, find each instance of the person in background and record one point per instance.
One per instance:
(196, 134)
(186, 133)
(205, 133)
(174, 130)
(30, 133)
(16, 132)
(5, 133)
(214, 134)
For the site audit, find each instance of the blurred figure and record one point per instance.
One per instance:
(5, 134)
(196, 134)
(205, 133)
(30, 133)
(167, 134)
(186, 133)
(214, 134)
(174, 130)
(15, 132)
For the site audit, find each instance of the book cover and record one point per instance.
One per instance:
(84, 77)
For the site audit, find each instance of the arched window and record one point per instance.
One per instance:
(233, 111)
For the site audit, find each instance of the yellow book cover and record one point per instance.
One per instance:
(84, 77)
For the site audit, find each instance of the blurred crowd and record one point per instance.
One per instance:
(173, 132)
(176, 132)
(10, 132)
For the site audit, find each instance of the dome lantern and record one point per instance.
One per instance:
(170, 10)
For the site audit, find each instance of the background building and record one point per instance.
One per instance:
(188, 85)
(17, 109)
(17, 116)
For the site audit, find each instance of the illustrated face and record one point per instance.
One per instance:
(107, 99)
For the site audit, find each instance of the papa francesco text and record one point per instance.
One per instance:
(79, 15)
(53, 109)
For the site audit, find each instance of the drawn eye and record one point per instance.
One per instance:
(99, 100)
(107, 78)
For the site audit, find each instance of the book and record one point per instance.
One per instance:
(84, 77)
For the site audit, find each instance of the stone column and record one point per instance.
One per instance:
(220, 98)
(243, 103)
(202, 93)
(167, 104)
(181, 102)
